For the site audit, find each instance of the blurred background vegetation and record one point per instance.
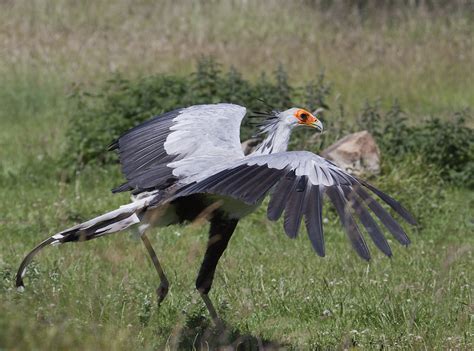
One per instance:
(75, 74)
(418, 52)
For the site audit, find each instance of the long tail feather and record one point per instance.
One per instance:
(111, 222)
(27, 260)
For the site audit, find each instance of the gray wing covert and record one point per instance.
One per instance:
(172, 146)
(298, 181)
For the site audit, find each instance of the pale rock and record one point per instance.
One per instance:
(356, 153)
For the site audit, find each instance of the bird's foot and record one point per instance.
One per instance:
(212, 311)
(162, 291)
(218, 323)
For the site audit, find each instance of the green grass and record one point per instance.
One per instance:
(32, 118)
(269, 289)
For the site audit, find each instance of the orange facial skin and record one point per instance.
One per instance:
(305, 117)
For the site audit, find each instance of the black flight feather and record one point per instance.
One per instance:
(397, 207)
(141, 151)
(353, 232)
(294, 207)
(385, 217)
(314, 219)
(367, 221)
(232, 180)
(252, 174)
(256, 188)
(280, 196)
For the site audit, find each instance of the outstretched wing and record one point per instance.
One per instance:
(200, 135)
(299, 180)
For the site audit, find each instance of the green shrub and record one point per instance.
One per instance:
(119, 104)
(447, 144)
(450, 146)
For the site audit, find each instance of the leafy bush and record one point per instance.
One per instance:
(449, 145)
(120, 104)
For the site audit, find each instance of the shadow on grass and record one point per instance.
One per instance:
(199, 333)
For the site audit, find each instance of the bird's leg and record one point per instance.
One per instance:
(219, 235)
(162, 290)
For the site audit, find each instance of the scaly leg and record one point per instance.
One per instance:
(162, 290)
(219, 235)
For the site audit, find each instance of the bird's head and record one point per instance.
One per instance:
(300, 117)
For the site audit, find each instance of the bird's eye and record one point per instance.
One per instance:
(304, 116)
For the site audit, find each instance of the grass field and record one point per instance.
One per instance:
(270, 290)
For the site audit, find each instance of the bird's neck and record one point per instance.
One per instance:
(276, 140)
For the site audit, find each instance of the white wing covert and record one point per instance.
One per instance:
(299, 180)
(177, 144)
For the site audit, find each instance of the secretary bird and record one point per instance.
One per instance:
(189, 162)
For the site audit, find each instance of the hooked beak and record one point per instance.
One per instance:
(317, 125)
